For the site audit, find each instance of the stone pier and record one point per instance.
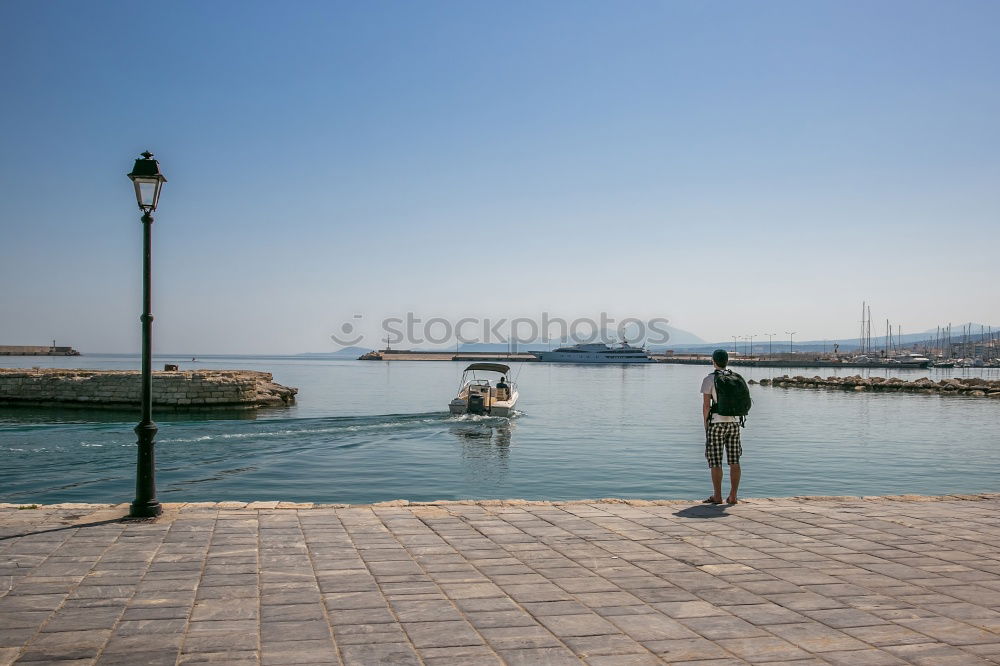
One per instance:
(121, 388)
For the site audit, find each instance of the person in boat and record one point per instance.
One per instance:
(503, 390)
(721, 432)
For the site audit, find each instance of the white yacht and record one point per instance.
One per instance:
(595, 353)
(913, 360)
(478, 395)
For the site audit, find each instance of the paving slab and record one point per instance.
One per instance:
(838, 580)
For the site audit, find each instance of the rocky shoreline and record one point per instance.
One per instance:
(967, 386)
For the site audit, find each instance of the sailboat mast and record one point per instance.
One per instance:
(869, 328)
(861, 337)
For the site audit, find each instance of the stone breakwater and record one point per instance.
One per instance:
(970, 386)
(121, 388)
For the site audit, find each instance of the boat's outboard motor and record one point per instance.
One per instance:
(476, 404)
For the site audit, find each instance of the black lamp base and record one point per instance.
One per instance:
(149, 509)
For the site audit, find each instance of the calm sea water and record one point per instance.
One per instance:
(371, 431)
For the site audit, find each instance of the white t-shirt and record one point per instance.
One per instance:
(708, 388)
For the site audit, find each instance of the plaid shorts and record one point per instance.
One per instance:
(723, 435)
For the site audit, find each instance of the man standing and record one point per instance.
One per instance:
(721, 432)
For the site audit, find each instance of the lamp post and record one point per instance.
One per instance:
(750, 338)
(148, 180)
(770, 339)
(790, 334)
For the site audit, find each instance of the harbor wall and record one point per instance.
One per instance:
(121, 388)
(407, 355)
(36, 350)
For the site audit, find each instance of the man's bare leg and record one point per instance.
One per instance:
(717, 484)
(734, 483)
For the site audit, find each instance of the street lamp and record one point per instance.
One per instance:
(148, 181)
(750, 338)
(790, 334)
(770, 339)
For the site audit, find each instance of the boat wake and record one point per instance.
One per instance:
(485, 418)
(277, 429)
(331, 432)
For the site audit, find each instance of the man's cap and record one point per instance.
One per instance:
(720, 356)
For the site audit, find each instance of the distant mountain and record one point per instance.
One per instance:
(958, 328)
(345, 352)
(681, 337)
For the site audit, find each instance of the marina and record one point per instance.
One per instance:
(793, 362)
(779, 361)
(939, 348)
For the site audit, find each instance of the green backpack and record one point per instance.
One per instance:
(733, 395)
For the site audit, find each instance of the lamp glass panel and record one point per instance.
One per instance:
(147, 191)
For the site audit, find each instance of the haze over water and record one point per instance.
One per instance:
(372, 431)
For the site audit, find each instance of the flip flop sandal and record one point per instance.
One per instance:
(710, 501)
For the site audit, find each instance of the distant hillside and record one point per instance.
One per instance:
(957, 328)
(681, 337)
(345, 352)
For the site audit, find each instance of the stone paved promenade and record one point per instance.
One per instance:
(803, 581)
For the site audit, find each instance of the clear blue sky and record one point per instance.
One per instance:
(736, 167)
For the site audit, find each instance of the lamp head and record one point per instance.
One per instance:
(148, 181)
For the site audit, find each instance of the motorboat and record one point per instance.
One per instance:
(481, 395)
(595, 353)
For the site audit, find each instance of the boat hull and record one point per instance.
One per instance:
(504, 408)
